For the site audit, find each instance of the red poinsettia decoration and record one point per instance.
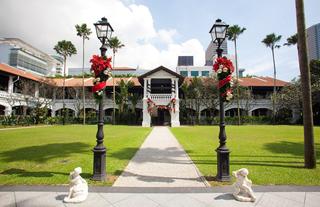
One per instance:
(223, 64)
(152, 105)
(101, 70)
(224, 69)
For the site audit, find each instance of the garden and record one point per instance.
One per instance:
(46, 155)
(272, 154)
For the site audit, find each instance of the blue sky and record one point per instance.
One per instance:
(156, 32)
(193, 19)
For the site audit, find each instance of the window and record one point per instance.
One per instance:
(184, 73)
(162, 86)
(194, 73)
(205, 73)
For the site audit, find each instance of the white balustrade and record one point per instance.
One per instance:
(161, 99)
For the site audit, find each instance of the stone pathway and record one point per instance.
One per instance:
(267, 196)
(161, 162)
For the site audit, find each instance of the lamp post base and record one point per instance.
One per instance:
(223, 171)
(99, 164)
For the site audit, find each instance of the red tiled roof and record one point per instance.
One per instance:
(123, 68)
(253, 81)
(21, 73)
(260, 81)
(74, 82)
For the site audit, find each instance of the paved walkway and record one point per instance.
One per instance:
(161, 162)
(269, 196)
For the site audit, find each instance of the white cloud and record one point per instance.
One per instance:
(286, 65)
(166, 36)
(43, 23)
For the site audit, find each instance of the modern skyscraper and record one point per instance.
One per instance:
(185, 60)
(19, 54)
(313, 41)
(211, 51)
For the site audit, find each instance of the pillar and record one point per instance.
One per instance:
(10, 84)
(8, 111)
(175, 122)
(175, 114)
(36, 93)
(146, 121)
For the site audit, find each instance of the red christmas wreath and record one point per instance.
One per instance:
(101, 70)
(224, 69)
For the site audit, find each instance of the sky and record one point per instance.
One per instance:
(156, 32)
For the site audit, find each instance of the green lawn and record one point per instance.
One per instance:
(46, 155)
(273, 154)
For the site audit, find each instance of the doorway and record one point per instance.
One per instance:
(161, 117)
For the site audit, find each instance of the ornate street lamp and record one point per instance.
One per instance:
(104, 32)
(218, 34)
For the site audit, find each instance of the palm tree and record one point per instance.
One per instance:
(271, 41)
(309, 148)
(233, 33)
(115, 44)
(292, 40)
(123, 96)
(84, 32)
(64, 48)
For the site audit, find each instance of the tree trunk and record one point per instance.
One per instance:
(274, 88)
(114, 94)
(63, 91)
(83, 89)
(237, 75)
(309, 148)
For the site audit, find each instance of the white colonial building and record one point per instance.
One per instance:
(159, 90)
(161, 96)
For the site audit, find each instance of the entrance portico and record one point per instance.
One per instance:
(160, 96)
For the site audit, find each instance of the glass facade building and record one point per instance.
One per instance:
(313, 41)
(211, 51)
(20, 59)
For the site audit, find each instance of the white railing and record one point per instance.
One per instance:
(4, 94)
(161, 99)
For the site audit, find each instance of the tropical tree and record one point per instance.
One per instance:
(271, 41)
(65, 49)
(84, 33)
(115, 44)
(233, 33)
(309, 147)
(193, 93)
(292, 40)
(123, 94)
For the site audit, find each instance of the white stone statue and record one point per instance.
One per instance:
(78, 191)
(243, 191)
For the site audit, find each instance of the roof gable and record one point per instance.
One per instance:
(160, 71)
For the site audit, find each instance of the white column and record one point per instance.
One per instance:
(10, 84)
(8, 111)
(146, 119)
(172, 84)
(175, 114)
(175, 122)
(144, 88)
(148, 83)
(177, 88)
(36, 92)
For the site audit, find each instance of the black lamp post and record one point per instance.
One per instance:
(218, 33)
(104, 32)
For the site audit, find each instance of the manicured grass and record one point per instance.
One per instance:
(274, 155)
(46, 155)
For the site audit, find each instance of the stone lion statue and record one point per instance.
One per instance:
(242, 186)
(78, 191)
